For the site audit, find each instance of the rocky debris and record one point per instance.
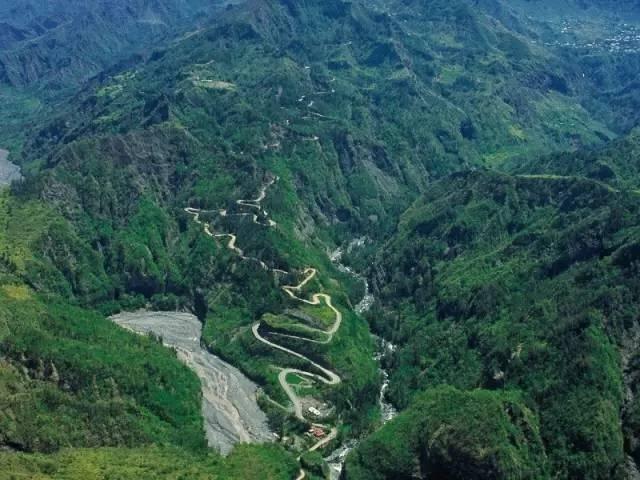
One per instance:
(9, 172)
(336, 257)
(229, 406)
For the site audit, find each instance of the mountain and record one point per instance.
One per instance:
(68, 42)
(213, 171)
(615, 164)
(598, 7)
(48, 49)
(523, 286)
(448, 433)
(563, 10)
(357, 78)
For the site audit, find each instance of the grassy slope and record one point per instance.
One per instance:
(246, 462)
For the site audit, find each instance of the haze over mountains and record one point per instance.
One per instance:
(68, 42)
(474, 161)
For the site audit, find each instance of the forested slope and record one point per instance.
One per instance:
(515, 290)
(522, 285)
(64, 43)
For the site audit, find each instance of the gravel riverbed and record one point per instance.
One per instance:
(229, 405)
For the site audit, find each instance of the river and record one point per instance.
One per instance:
(387, 411)
(229, 405)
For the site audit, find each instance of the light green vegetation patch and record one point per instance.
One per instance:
(267, 462)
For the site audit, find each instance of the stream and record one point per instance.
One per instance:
(387, 411)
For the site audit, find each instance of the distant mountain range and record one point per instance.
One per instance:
(69, 41)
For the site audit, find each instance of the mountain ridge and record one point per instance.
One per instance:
(447, 135)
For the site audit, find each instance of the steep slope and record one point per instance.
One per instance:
(61, 43)
(611, 8)
(598, 44)
(449, 434)
(522, 284)
(69, 378)
(361, 107)
(48, 49)
(326, 96)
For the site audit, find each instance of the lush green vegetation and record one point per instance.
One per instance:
(70, 378)
(616, 164)
(524, 284)
(447, 433)
(350, 353)
(267, 462)
(242, 93)
(511, 297)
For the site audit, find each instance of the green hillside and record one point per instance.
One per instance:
(270, 463)
(616, 164)
(522, 284)
(211, 160)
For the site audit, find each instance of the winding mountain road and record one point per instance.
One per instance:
(330, 377)
(327, 376)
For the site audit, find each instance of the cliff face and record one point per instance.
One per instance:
(9, 172)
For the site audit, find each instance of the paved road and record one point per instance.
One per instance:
(328, 377)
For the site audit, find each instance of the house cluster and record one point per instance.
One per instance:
(317, 431)
(620, 38)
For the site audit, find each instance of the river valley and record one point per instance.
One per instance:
(336, 459)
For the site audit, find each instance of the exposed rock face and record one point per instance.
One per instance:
(229, 407)
(8, 171)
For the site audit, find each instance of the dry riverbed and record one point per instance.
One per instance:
(229, 406)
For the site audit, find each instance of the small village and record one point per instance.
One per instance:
(616, 38)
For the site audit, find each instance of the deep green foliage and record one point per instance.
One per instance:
(447, 433)
(523, 283)
(71, 378)
(616, 164)
(522, 286)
